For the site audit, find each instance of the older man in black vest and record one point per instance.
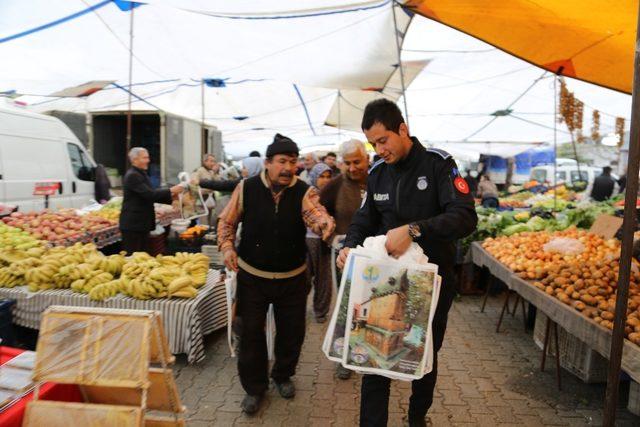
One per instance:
(275, 208)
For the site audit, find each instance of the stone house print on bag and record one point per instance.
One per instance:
(385, 326)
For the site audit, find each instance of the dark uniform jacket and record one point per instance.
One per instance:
(602, 187)
(137, 204)
(425, 188)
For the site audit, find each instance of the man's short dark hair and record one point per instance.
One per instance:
(606, 170)
(254, 153)
(331, 154)
(384, 112)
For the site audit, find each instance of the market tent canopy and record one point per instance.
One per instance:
(471, 151)
(590, 40)
(346, 112)
(52, 44)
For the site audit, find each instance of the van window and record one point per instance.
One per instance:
(80, 163)
(539, 175)
(561, 176)
(583, 174)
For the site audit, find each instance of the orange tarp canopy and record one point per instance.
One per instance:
(590, 40)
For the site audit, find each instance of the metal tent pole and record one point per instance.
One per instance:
(628, 228)
(399, 51)
(203, 132)
(128, 140)
(555, 143)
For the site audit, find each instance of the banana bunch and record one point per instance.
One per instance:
(21, 267)
(140, 257)
(93, 279)
(41, 278)
(105, 290)
(198, 270)
(144, 288)
(182, 287)
(111, 264)
(8, 279)
(9, 256)
(133, 268)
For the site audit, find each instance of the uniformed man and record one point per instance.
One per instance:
(413, 194)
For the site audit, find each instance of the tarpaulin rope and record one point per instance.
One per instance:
(56, 22)
(293, 15)
(136, 96)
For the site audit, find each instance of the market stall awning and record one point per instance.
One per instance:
(590, 40)
(346, 112)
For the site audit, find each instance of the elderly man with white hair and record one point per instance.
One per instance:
(138, 217)
(309, 160)
(342, 197)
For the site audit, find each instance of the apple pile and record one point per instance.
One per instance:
(59, 227)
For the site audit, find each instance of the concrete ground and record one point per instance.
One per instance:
(485, 379)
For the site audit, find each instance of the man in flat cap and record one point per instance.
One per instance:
(274, 208)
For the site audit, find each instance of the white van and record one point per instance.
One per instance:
(566, 173)
(39, 148)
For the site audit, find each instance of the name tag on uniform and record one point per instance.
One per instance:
(381, 197)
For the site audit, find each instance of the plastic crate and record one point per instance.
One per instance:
(634, 398)
(575, 356)
(7, 333)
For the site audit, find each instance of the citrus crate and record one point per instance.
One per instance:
(575, 356)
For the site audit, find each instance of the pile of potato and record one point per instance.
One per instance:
(586, 280)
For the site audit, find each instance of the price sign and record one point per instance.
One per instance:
(46, 188)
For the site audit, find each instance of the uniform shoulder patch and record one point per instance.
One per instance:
(375, 165)
(439, 152)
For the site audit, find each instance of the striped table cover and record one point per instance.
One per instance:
(186, 321)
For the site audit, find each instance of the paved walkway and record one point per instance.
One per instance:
(485, 379)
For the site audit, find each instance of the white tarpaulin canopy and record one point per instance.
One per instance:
(471, 151)
(260, 49)
(346, 112)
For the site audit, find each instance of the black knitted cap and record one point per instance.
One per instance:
(282, 145)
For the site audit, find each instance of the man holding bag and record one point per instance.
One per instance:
(275, 208)
(413, 194)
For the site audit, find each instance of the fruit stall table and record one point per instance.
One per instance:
(11, 415)
(186, 321)
(593, 335)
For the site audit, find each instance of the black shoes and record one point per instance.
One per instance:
(251, 404)
(286, 389)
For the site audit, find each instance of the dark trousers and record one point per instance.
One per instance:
(134, 241)
(319, 275)
(288, 297)
(374, 401)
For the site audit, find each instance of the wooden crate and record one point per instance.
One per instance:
(160, 393)
(154, 421)
(79, 348)
(64, 414)
(108, 353)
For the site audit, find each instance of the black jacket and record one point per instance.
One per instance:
(425, 188)
(221, 185)
(137, 205)
(602, 187)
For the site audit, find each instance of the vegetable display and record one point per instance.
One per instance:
(577, 267)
